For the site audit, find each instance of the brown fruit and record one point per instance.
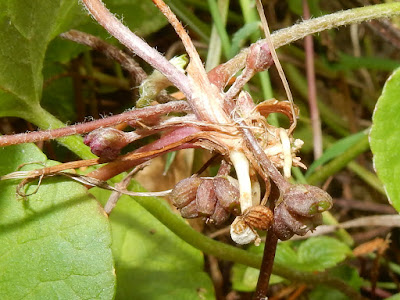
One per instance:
(189, 211)
(307, 200)
(185, 191)
(219, 216)
(206, 198)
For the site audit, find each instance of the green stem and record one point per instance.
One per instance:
(340, 162)
(346, 17)
(298, 31)
(43, 119)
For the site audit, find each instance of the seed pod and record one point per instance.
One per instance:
(189, 211)
(307, 200)
(281, 228)
(206, 198)
(259, 217)
(185, 191)
(227, 194)
(219, 216)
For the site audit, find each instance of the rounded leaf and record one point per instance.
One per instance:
(385, 137)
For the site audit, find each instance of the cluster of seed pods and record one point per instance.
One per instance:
(300, 211)
(212, 198)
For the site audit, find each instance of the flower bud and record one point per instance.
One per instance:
(106, 142)
(307, 200)
(206, 198)
(185, 191)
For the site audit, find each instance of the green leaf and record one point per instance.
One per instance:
(394, 297)
(244, 278)
(151, 261)
(27, 29)
(348, 274)
(54, 244)
(320, 253)
(314, 254)
(326, 293)
(335, 150)
(385, 137)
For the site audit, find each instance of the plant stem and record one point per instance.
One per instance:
(44, 119)
(214, 47)
(266, 266)
(269, 254)
(369, 177)
(298, 31)
(312, 88)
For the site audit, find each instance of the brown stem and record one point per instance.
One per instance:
(109, 50)
(266, 265)
(269, 254)
(261, 158)
(134, 117)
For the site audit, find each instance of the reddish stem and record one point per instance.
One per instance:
(312, 90)
(134, 117)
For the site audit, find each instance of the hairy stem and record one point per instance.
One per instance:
(298, 31)
(133, 116)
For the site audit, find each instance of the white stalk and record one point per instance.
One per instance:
(287, 153)
(241, 165)
(241, 233)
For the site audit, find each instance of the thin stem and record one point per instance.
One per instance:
(190, 19)
(269, 254)
(126, 61)
(266, 265)
(133, 117)
(312, 89)
(370, 178)
(214, 47)
(261, 158)
(298, 31)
